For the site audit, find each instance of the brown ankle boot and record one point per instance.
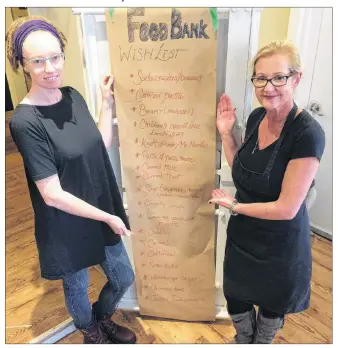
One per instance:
(94, 335)
(116, 333)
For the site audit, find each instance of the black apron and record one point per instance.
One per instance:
(267, 262)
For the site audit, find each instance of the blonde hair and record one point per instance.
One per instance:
(10, 49)
(282, 47)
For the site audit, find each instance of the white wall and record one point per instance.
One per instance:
(16, 81)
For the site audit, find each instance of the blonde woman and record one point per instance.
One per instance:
(268, 253)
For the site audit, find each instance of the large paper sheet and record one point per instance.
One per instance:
(164, 63)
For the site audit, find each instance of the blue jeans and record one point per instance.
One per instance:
(120, 276)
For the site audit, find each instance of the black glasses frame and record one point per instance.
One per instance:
(270, 80)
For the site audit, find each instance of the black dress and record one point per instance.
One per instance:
(268, 262)
(63, 139)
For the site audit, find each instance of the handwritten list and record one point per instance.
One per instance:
(164, 63)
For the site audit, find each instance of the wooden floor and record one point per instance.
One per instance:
(35, 305)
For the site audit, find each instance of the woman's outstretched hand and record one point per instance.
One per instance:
(118, 226)
(107, 88)
(226, 118)
(222, 198)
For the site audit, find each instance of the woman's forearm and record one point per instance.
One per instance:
(267, 211)
(105, 124)
(230, 147)
(72, 205)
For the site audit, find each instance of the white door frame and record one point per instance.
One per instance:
(304, 30)
(242, 46)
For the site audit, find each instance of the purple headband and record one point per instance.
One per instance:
(25, 29)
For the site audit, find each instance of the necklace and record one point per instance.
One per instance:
(255, 147)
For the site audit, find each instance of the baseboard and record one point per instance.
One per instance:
(56, 333)
(321, 233)
(132, 305)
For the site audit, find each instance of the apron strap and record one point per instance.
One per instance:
(291, 116)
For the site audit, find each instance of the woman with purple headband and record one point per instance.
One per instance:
(79, 214)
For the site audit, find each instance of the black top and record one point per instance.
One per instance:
(304, 138)
(63, 139)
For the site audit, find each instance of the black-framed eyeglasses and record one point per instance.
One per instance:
(276, 81)
(55, 60)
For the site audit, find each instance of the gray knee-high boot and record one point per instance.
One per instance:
(245, 325)
(267, 328)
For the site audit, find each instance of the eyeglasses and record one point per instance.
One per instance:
(55, 60)
(276, 81)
